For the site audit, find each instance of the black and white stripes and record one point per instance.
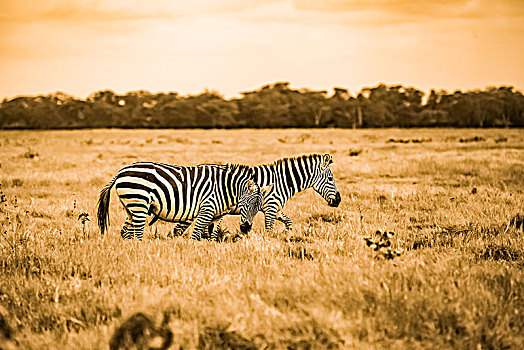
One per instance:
(291, 176)
(181, 194)
(284, 178)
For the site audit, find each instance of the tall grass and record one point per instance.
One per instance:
(458, 283)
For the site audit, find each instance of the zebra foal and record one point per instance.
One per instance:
(180, 194)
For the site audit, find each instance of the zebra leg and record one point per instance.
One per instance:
(214, 235)
(137, 215)
(204, 218)
(127, 229)
(285, 219)
(139, 230)
(269, 219)
(210, 230)
(179, 229)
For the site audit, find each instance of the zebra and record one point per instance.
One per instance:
(289, 176)
(252, 204)
(181, 194)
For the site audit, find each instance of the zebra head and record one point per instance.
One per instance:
(251, 203)
(324, 182)
(248, 194)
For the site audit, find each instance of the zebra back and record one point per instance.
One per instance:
(295, 174)
(177, 193)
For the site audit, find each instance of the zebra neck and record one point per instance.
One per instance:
(291, 177)
(229, 191)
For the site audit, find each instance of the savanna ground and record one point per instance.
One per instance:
(459, 282)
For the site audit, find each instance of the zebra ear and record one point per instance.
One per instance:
(266, 189)
(253, 174)
(326, 160)
(251, 186)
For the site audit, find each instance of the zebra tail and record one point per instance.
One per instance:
(103, 207)
(155, 218)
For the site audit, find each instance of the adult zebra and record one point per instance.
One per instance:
(290, 176)
(180, 194)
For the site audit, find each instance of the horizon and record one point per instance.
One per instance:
(329, 91)
(232, 46)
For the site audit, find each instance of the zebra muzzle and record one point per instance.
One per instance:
(245, 227)
(334, 202)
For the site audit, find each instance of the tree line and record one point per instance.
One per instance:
(271, 106)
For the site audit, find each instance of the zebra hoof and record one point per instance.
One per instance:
(210, 229)
(236, 238)
(175, 233)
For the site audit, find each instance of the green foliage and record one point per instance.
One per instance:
(272, 106)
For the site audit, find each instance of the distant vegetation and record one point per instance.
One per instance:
(272, 106)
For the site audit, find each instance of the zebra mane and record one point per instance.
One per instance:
(238, 168)
(304, 157)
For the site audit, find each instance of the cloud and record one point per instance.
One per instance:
(353, 12)
(119, 10)
(420, 9)
(362, 15)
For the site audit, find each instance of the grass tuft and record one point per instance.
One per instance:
(17, 182)
(219, 337)
(6, 332)
(500, 252)
(319, 219)
(472, 139)
(309, 334)
(380, 242)
(299, 251)
(355, 152)
(297, 239)
(517, 222)
(139, 332)
(29, 154)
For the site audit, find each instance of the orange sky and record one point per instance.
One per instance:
(81, 46)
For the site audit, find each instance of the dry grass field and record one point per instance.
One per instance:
(448, 196)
